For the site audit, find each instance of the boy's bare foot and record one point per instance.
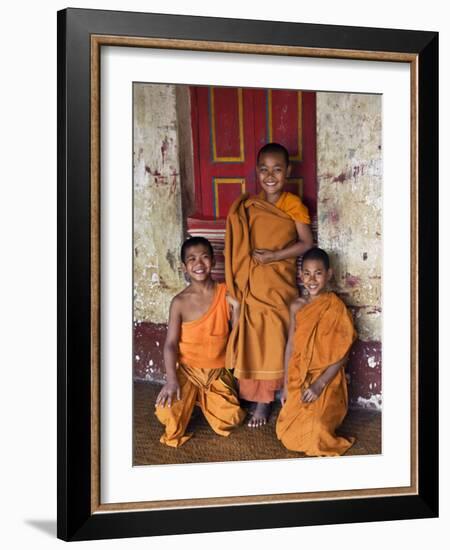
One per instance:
(260, 415)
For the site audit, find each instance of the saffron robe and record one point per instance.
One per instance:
(323, 336)
(202, 376)
(256, 349)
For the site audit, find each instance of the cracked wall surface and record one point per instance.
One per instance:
(158, 227)
(349, 168)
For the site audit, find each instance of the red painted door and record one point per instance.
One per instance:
(230, 125)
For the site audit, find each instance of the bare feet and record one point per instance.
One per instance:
(260, 415)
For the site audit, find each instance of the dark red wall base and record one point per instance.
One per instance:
(364, 368)
(364, 371)
(148, 360)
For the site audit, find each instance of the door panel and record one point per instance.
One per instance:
(230, 125)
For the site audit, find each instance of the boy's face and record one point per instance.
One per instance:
(315, 277)
(272, 172)
(198, 262)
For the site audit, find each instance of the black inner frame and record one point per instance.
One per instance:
(75, 521)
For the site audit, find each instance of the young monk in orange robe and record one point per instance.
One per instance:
(315, 391)
(263, 238)
(197, 336)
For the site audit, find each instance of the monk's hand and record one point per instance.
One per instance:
(232, 301)
(167, 394)
(263, 256)
(313, 392)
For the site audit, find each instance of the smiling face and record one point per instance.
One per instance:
(198, 262)
(272, 172)
(315, 276)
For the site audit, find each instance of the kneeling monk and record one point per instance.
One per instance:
(315, 389)
(197, 337)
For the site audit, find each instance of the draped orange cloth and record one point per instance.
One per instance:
(323, 336)
(202, 376)
(292, 205)
(256, 348)
(203, 342)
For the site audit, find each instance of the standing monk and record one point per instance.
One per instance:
(264, 236)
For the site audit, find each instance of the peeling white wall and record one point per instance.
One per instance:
(158, 228)
(349, 171)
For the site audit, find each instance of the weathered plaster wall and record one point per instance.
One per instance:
(158, 228)
(349, 169)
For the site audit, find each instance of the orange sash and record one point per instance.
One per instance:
(203, 341)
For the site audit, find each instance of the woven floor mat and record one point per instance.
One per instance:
(243, 444)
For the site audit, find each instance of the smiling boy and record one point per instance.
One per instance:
(315, 389)
(197, 336)
(264, 235)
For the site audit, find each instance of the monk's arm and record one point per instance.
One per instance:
(235, 310)
(171, 387)
(331, 371)
(304, 243)
(294, 307)
(314, 391)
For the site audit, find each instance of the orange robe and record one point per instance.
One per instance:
(256, 349)
(202, 376)
(323, 336)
